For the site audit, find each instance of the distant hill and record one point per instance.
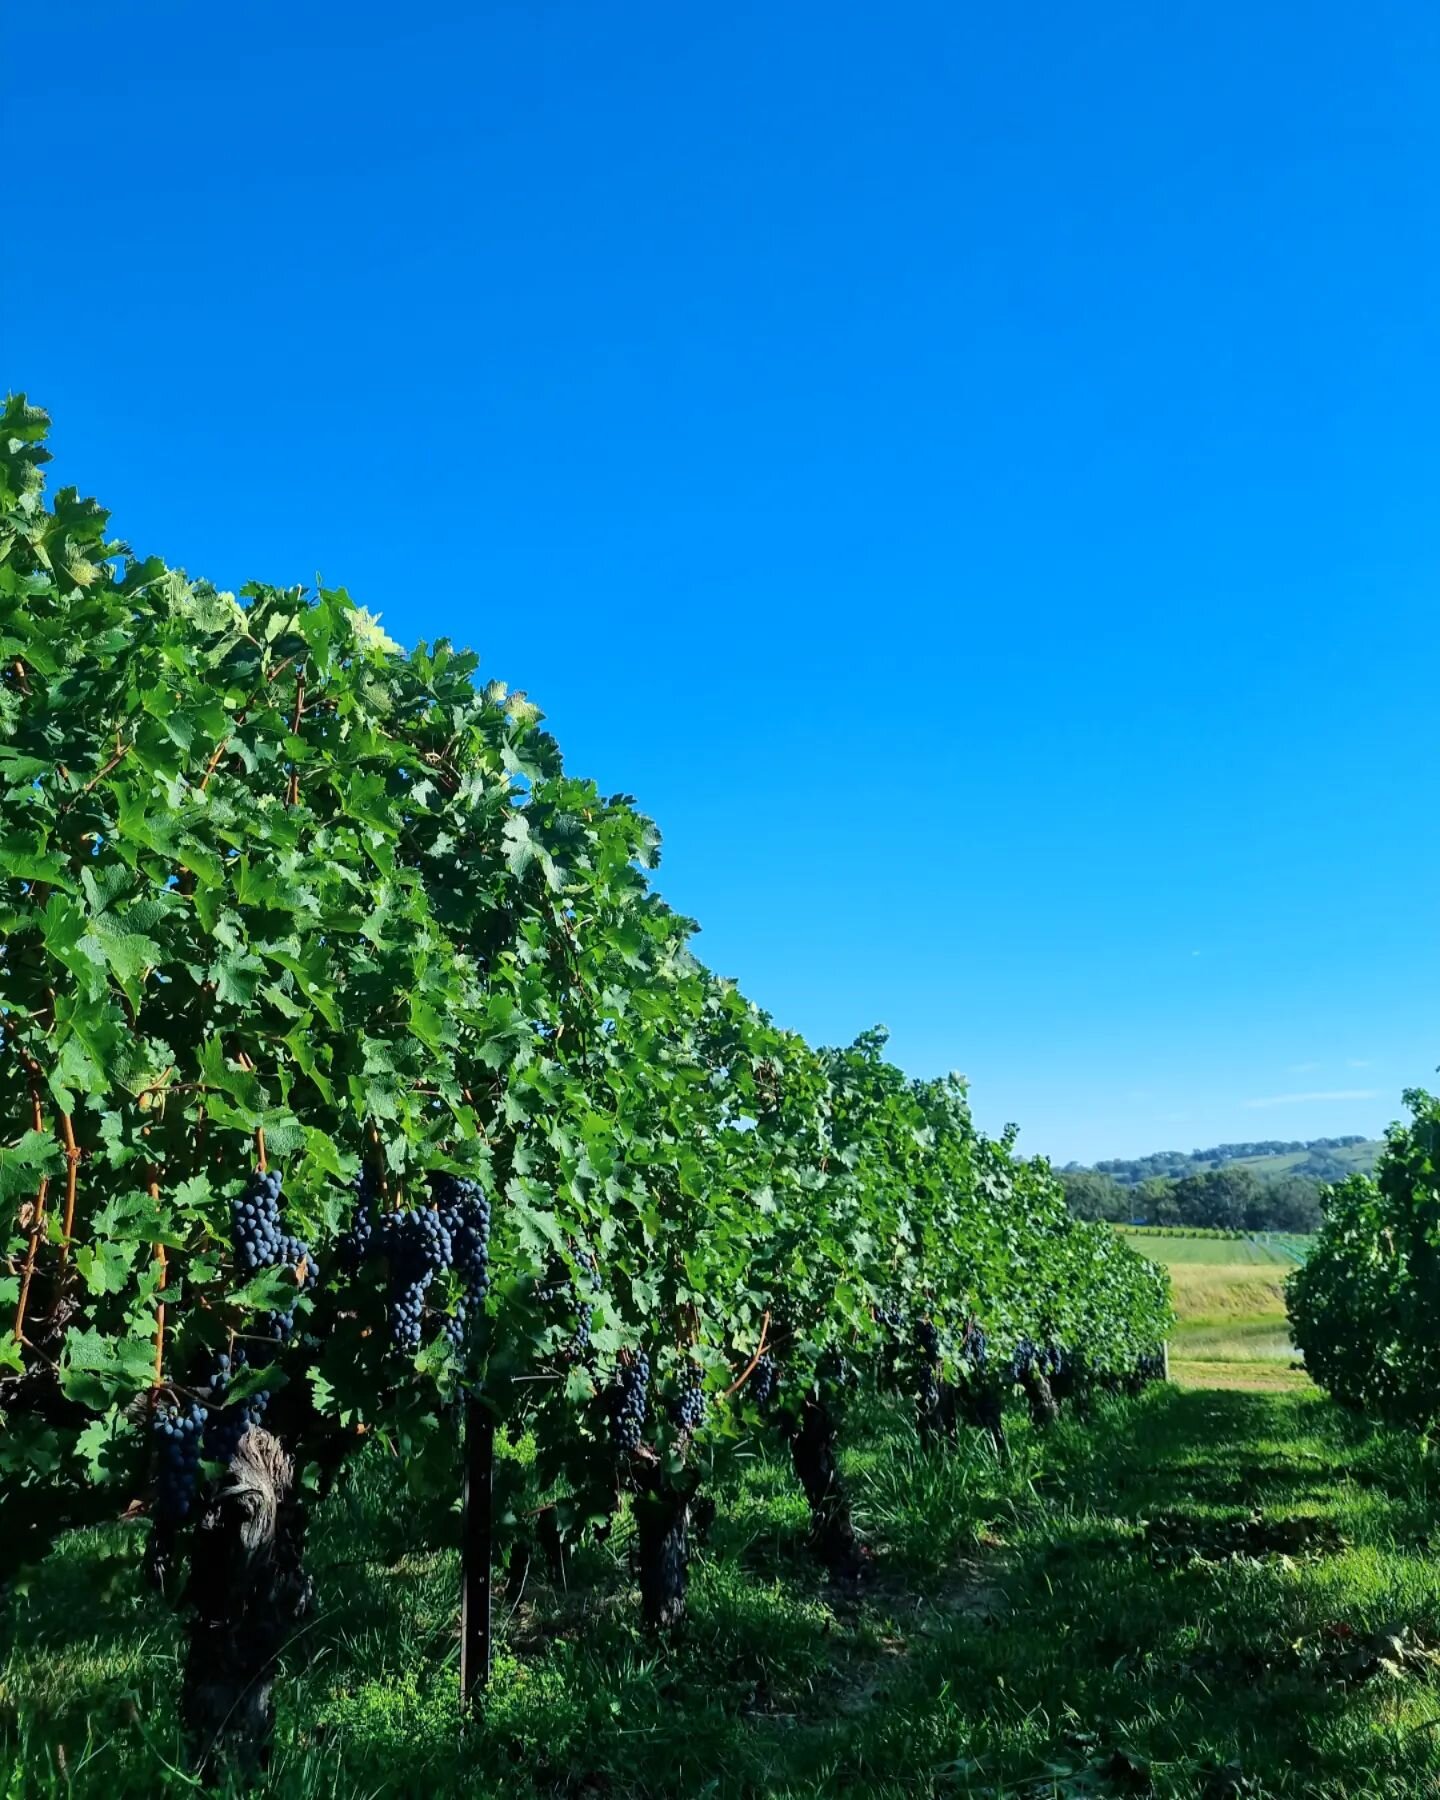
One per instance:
(1321, 1159)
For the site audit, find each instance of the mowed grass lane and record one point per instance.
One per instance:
(1230, 1306)
(1198, 1595)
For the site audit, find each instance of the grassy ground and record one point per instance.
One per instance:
(1230, 1307)
(1181, 1599)
(1249, 1252)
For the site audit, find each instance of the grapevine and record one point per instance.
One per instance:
(270, 880)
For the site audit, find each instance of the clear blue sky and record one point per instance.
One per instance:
(971, 472)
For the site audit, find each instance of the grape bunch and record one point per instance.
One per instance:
(457, 1325)
(927, 1340)
(892, 1332)
(357, 1243)
(584, 1310)
(927, 1392)
(294, 1254)
(418, 1247)
(255, 1223)
(977, 1346)
(555, 1284)
(764, 1381)
(628, 1402)
(176, 1427)
(226, 1424)
(838, 1371)
(464, 1215)
(261, 1242)
(690, 1405)
(560, 1284)
(1022, 1361)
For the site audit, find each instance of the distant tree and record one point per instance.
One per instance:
(1286, 1203)
(1220, 1197)
(1155, 1202)
(1092, 1195)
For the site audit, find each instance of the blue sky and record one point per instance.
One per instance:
(970, 472)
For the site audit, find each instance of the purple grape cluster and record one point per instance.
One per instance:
(629, 1400)
(560, 1284)
(261, 1242)
(357, 1243)
(464, 1214)
(176, 1427)
(765, 1381)
(226, 1424)
(255, 1223)
(418, 1247)
(1022, 1360)
(690, 1405)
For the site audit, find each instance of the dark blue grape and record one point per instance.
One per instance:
(689, 1407)
(464, 1213)
(262, 1243)
(418, 1248)
(227, 1422)
(176, 1428)
(358, 1242)
(255, 1223)
(764, 1381)
(629, 1401)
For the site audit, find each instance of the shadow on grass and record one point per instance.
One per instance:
(1019, 1634)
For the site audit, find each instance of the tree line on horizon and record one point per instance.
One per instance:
(1230, 1199)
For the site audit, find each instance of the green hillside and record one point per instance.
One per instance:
(1320, 1159)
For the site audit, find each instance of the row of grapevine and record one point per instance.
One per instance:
(353, 1069)
(1365, 1304)
(1210, 1233)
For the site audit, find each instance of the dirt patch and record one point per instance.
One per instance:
(968, 1589)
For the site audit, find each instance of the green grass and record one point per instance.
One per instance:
(1231, 1252)
(1233, 1340)
(1053, 1628)
(1354, 1157)
(1230, 1308)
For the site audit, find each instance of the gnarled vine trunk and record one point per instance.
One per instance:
(934, 1411)
(249, 1592)
(984, 1408)
(662, 1519)
(812, 1451)
(1041, 1401)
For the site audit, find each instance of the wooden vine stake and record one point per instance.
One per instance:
(476, 1551)
(37, 1215)
(72, 1176)
(163, 1261)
